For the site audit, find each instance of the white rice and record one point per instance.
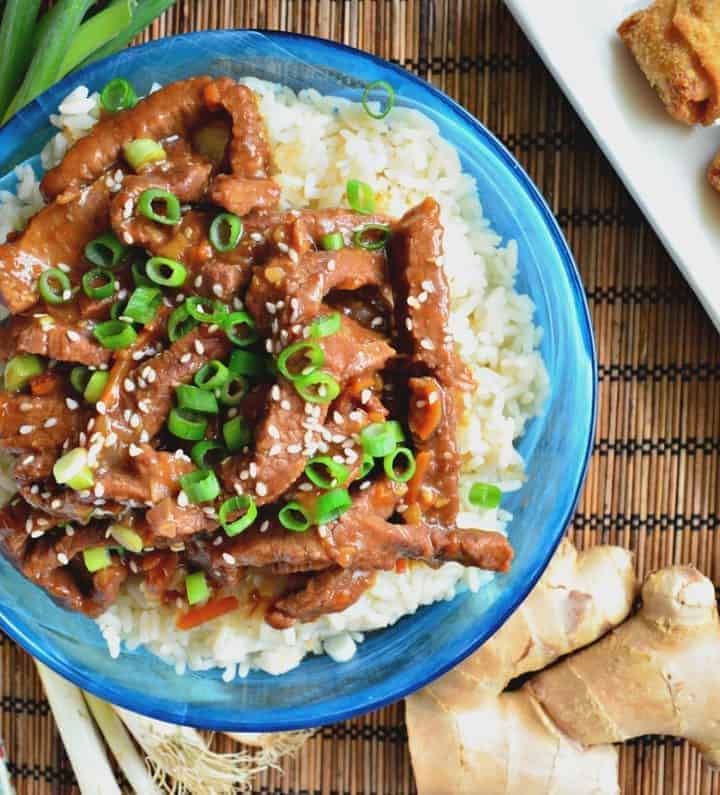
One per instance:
(319, 143)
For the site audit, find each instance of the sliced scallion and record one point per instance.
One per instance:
(226, 231)
(206, 310)
(379, 439)
(331, 505)
(240, 328)
(105, 251)
(372, 237)
(143, 304)
(72, 470)
(360, 196)
(20, 369)
(180, 323)
(389, 100)
(233, 390)
(146, 206)
(485, 495)
(96, 558)
(143, 151)
(294, 517)
(195, 399)
(248, 363)
(207, 453)
(196, 588)
(299, 359)
(317, 387)
(79, 377)
(186, 425)
(243, 505)
(200, 486)
(54, 286)
(98, 283)
(326, 473)
(333, 241)
(115, 334)
(325, 326)
(211, 376)
(400, 464)
(118, 95)
(165, 271)
(127, 538)
(237, 434)
(95, 386)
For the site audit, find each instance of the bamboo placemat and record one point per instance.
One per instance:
(654, 480)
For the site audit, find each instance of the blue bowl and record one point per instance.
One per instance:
(393, 662)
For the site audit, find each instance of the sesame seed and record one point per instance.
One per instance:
(26, 429)
(253, 469)
(199, 348)
(365, 485)
(256, 237)
(228, 558)
(134, 450)
(427, 285)
(28, 460)
(182, 499)
(144, 437)
(322, 531)
(294, 256)
(273, 431)
(218, 541)
(275, 392)
(73, 336)
(285, 405)
(67, 295)
(264, 526)
(185, 358)
(100, 406)
(37, 534)
(217, 290)
(144, 406)
(420, 404)
(128, 385)
(268, 345)
(276, 449)
(25, 406)
(338, 418)
(294, 448)
(69, 530)
(198, 281)
(63, 559)
(50, 422)
(99, 489)
(413, 302)
(283, 247)
(331, 265)
(355, 416)
(135, 421)
(422, 297)
(305, 487)
(71, 403)
(365, 396)
(261, 489)
(433, 398)
(426, 343)
(56, 503)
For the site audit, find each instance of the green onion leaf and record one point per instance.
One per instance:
(299, 359)
(200, 486)
(95, 386)
(248, 363)
(485, 495)
(186, 425)
(240, 328)
(79, 377)
(98, 283)
(115, 334)
(165, 271)
(143, 151)
(196, 588)
(20, 369)
(243, 505)
(127, 538)
(96, 558)
(195, 399)
(325, 326)
(331, 505)
(54, 286)
(212, 376)
(105, 251)
(379, 439)
(180, 323)
(206, 310)
(226, 231)
(389, 100)
(233, 390)
(237, 434)
(146, 205)
(208, 453)
(294, 517)
(16, 34)
(332, 242)
(118, 95)
(326, 473)
(360, 196)
(399, 465)
(143, 304)
(317, 387)
(72, 470)
(372, 237)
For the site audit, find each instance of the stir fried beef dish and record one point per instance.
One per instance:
(201, 386)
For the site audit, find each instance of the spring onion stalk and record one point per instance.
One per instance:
(325, 326)
(96, 558)
(243, 505)
(127, 538)
(72, 469)
(95, 386)
(196, 588)
(20, 369)
(196, 399)
(63, 21)
(98, 30)
(233, 390)
(118, 95)
(317, 387)
(299, 359)
(81, 739)
(213, 375)
(120, 743)
(200, 486)
(16, 34)
(172, 214)
(143, 151)
(105, 251)
(485, 495)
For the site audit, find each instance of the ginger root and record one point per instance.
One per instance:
(659, 672)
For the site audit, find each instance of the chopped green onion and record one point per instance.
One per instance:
(202, 450)
(20, 369)
(240, 328)
(172, 215)
(165, 271)
(196, 399)
(95, 386)
(325, 326)
(79, 377)
(54, 286)
(139, 276)
(326, 473)
(317, 387)
(118, 95)
(212, 375)
(248, 363)
(233, 390)
(206, 310)
(19, 20)
(397, 430)
(368, 462)
(226, 230)
(399, 465)
(372, 237)
(389, 102)
(360, 196)
(117, 309)
(244, 505)
(105, 251)
(331, 505)
(333, 241)
(200, 486)
(186, 425)
(143, 151)
(143, 304)
(485, 495)
(294, 517)
(115, 334)
(72, 470)
(379, 439)
(127, 538)
(180, 323)
(196, 588)
(96, 558)
(310, 354)
(237, 434)
(104, 289)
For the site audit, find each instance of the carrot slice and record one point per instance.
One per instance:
(422, 462)
(212, 609)
(44, 384)
(425, 407)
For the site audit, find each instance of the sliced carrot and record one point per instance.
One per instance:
(44, 384)
(401, 566)
(212, 609)
(425, 407)
(357, 385)
(422, 463)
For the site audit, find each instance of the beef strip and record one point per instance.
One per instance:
(29, 424)
(55, 236)
(248, 187)
(276, 226)
(67, 505)
(173, 110)
(330, 591)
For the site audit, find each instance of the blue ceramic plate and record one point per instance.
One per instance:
(398, 660)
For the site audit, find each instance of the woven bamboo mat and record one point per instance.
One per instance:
(654, 482)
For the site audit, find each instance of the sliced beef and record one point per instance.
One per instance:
(240, 195)
(66, 505)
(276, 226)
(330, 591)
(30, 423)
(56, 236)
(167, 519)
(173, 110)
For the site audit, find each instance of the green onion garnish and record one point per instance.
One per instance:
(72, 470)
(248, 363)
(399, 465)
(360, 196)
(195, 399)
(325, 326)
(95, 386)
(294, 517)
(326, 473)
(165, 271)
(226, 230)
(237, 434)
(485, 495)
(139, 277)
(200, 486)
(201, 452)
(96, 558)
(240, 328)
(331, 505)
(54, 286)
(300, 358)
(317, 387)
(143, 151)
(206, 310)
(118, 95)
(79, 377)
(105, 251)
(172, 214)
(143, 304)
(233, 390)
(389, 101)
(117, 309)
(196, 588)
(98, 283)
(379, 439)
(212, 375)
(186, 425)
(180, 323)
(372, 237)
(127, 538)
(332, 242)
(397, 430)
(115, 334)
(244, 505)
(368, 463)
(20, 369)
